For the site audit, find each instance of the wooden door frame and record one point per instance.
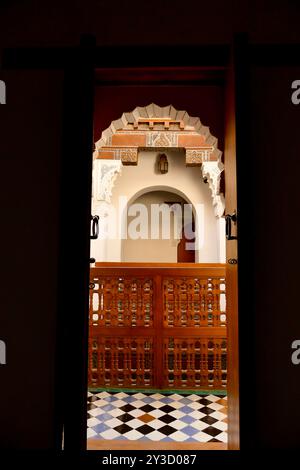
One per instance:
(191, 72)
(72, 316)
(239, 340)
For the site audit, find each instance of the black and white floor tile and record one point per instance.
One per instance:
(157, 417)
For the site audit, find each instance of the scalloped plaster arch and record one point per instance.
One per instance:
(154, 127)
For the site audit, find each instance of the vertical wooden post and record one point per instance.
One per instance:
(74, 249)
(158, 341)
(246, 248)
(239, 252)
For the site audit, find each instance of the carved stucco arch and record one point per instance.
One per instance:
(156, 128)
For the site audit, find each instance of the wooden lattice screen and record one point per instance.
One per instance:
(157, 326)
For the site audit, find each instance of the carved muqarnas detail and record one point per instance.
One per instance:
(129, 156)
(197, 156)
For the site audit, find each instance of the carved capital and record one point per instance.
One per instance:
(104, 176)
(129, 156)
(211, 171)
(195, 157)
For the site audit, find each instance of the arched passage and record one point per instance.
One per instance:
(167, 212)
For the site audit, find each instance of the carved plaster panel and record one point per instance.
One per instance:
(129, 156)
(197, 156)
(162, 139)
(212, 172)
(105, 173)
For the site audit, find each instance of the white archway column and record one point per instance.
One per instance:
(105, 173)
(211, 171)
(222, 240)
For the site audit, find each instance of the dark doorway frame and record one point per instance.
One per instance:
(210, 72)
(79, 65)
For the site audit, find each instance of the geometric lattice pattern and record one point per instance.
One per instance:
(158, 328)
(191, 302)
(195, 363)
(121, 362)
(121, 302)
(157, 417)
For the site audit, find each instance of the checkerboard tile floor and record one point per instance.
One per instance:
(157, 417)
